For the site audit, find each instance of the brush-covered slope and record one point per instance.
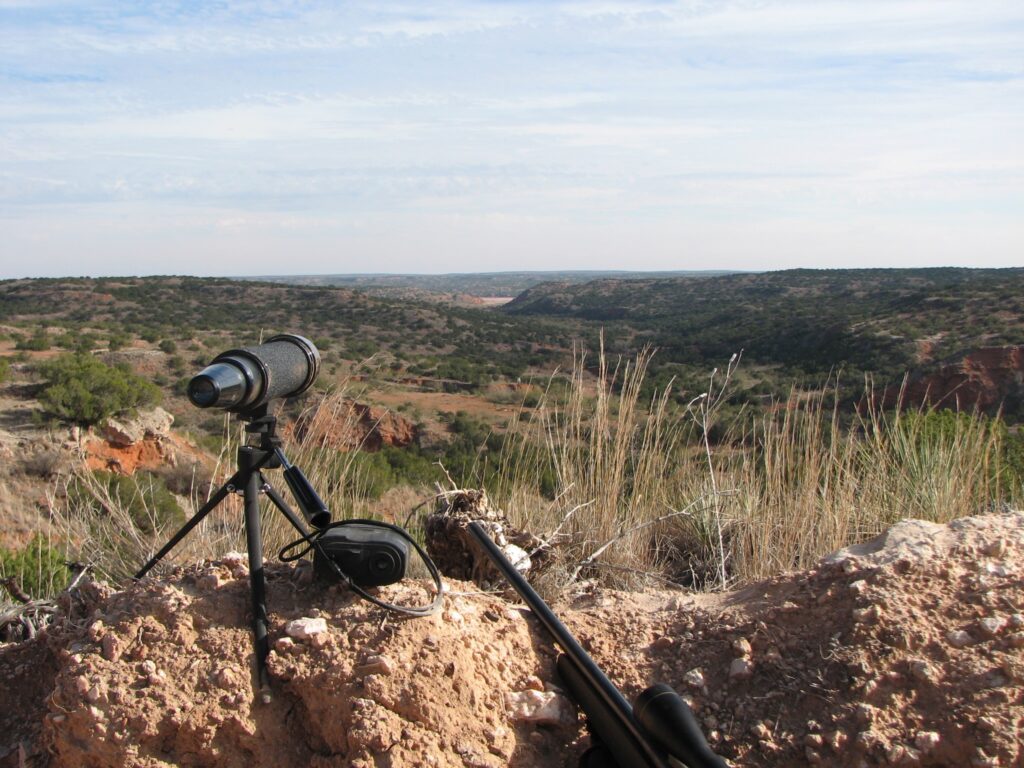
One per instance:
(345, 321)
(872, 319)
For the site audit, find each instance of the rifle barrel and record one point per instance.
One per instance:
(583, 663)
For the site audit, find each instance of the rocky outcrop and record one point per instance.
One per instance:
(153, 424)
(988, 379)
(349, 425)
(144, 442)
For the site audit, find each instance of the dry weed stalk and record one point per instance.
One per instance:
(704, 409)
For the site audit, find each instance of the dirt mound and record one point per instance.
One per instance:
(28, 671)
(907, 651)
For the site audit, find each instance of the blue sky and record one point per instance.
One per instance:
(282, 138)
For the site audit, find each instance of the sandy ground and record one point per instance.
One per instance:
(907, 651)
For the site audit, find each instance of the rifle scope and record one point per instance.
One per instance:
(662, 726)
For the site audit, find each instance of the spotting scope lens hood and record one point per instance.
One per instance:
(242, 380)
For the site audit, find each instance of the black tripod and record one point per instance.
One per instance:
(252, 460)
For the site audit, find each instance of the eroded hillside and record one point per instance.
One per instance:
(882, 320)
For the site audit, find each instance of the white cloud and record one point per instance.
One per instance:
(735, 129)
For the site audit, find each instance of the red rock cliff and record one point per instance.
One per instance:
(350, 425)
(986, 378)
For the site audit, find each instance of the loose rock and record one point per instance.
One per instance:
(958, 638)
(303, 629)
(992, 625)
(540, 708)
(741, 669)
(695, 679)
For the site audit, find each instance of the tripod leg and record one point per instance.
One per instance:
(257, 583)
(197, 518)
(287, 511)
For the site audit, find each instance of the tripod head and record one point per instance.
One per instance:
(268, 454)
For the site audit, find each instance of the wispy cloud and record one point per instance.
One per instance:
(747, 131)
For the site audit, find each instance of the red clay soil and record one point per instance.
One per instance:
(150, 453)
(908, 651)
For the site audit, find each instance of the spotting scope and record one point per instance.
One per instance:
(243, 380)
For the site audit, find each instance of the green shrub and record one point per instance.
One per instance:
(86, 343)
(371, 474)
(532, 400)
(37, 342)
(37, 568)
(66, 340)
(410, 466)
(85, 390)
(5, 369)
(118, 340)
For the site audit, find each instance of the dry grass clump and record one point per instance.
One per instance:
(111, 527)
(808, 485)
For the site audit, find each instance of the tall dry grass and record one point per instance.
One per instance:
(642, 489)
(614, 456)
(110, 532)
(809, 485)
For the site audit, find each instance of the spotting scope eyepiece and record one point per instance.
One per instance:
(242, 380)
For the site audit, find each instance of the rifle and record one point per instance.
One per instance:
(660, 732)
